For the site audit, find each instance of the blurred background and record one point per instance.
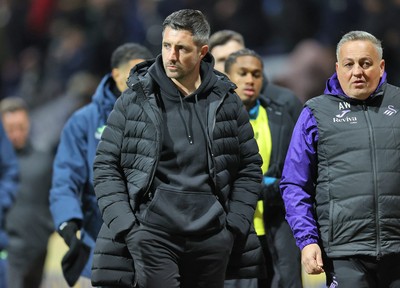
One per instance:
(54, 52)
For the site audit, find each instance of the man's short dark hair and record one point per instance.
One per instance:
(243, 52)
(127, 52)
(190, 20)
(224, 36)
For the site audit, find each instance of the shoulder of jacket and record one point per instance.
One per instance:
(83, 113)
(318, 99)
(224, 83)
(389, 87)
(139, 73)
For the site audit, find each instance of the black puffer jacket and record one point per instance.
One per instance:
(127, 157)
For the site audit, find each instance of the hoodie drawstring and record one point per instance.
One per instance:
(187, 128)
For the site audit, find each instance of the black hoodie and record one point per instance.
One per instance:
(184, 201)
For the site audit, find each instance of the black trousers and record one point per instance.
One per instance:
(170, 261)
(363, 272)
(282, 256)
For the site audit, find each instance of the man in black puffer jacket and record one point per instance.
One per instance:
(177, 172)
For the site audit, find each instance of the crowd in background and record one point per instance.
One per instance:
(57, 49)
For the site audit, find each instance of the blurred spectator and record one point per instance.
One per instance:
(390, 35)
(73, 203)
(242, 16)
(29, 69)
(110, 23)
(270, 27)
(336, 16)
(67, 54)
(29, 224)
(24, 24)
(222, 43)
(306, 68)
(49, 118)
(9, 173)
(287, 23)
(29, 20)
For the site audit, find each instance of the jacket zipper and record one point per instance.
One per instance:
(375, 188)
(147, 192)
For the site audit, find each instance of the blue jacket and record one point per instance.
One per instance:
(300, 171)
(9, 174)
(72, 194)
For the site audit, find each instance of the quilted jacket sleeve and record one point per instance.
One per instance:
(69, 172)
(247, 185)
(109, 180)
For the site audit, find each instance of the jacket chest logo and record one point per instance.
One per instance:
(342, 116)
(390, 111)
(99, 131)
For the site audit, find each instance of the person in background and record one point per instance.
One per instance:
(222, 44)
(341, 178)
(28, 222)
(273, 126)
(177, 173)
(225, 42)
(282, 255)
(9, 181)
(72, 200)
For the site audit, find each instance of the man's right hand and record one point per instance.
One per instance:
(311, 258)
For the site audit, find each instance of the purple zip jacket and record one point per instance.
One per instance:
(300, 171)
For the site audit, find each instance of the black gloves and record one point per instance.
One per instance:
(68, 231)
(75, 259)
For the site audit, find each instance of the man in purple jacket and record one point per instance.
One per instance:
(341, 177)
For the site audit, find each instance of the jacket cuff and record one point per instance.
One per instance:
(304, 242)
(121, 225)
(237, 225)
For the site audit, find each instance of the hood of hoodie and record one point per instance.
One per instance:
(333, 86)
(104, 98)
(208, 79)
(152, 72)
